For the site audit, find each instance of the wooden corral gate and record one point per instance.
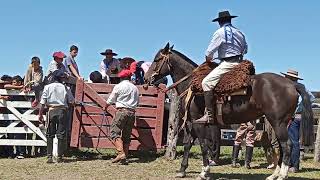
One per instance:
(18, 117)
(91, 125)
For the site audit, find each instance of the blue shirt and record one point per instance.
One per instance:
(227, 41)
(300, 104)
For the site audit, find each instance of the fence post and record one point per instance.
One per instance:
(172, 136)
(317, 145)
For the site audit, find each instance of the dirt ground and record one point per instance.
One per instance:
(92, 165)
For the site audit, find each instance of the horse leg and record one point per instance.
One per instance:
(281, 171)
(205, 160)
(184, 164)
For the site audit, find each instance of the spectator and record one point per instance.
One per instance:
(96, 77)
(56, 63)
(110, 66)
(57, 97)
(126, 97)
(294, 126)
(71, 64)
(33, 79)
(249, 130)
(126, 62)
(17, 84)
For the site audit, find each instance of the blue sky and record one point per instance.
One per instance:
(280, 34)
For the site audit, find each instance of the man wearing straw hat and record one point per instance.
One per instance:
(294, 126)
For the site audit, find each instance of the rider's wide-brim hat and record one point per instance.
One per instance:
(108, 52)
(292, 73)
(223, 15)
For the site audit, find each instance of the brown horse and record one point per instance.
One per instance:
(272, 95)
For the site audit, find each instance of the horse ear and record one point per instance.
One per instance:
(166, 48)
(171, 48)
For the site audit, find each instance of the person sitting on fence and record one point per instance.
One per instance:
(56, 96)
(109, 67)
(294, 130)
(125, 95)
(33, 79)
(16, 84)
(249, 130)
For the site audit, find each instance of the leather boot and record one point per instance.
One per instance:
(209, 102)
(235, 154)
(248, 157)
(49, 150)
(61, 144)
(119, 147)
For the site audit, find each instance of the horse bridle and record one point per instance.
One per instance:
(164, 59)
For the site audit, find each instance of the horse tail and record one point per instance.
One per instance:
(307, 122)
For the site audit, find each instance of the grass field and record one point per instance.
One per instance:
(88, 164)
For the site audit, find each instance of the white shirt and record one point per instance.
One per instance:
(227, 41)
(56, 94)
(125, 94)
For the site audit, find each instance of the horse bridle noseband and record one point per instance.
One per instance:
(164, 59)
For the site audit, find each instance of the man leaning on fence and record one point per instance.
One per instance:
(125, 95)
(56, 96)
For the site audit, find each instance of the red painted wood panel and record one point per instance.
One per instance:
(97, 120)
(106, 143)
(87, 118)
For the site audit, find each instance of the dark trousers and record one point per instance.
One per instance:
(57, 121)
(294, 135)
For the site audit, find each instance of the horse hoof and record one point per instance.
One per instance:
(272, 177)
(281, 178)
(201, 178)
(181, 175)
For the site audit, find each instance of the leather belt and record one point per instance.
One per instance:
(237, 58)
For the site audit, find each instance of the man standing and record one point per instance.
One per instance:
(247, 130)
(229, 45)
(125, 95)
(56, 96)
(109, 66)
(56, 63)
(71, 64)
(294, 127)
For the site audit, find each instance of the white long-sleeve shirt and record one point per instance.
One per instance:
(125, 94)
(227, 41)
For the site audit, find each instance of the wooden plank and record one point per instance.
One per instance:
(93, 131)
(94, 96)
(76, 121)
(148, 112)
(107, 88)
(15, 104)
(105, 143)
(97, 120)
(18, 130)
(22, 142)
(27, 122)
(15, 93)
(160, 114)
(12, 117)
(143, 100)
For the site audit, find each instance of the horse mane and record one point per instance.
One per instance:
(184, 57)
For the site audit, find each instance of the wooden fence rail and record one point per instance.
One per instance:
(18, 117)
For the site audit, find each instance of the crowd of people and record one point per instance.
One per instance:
(54, 94)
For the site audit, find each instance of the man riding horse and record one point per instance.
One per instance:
(229, 45)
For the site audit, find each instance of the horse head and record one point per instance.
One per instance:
(160, 66)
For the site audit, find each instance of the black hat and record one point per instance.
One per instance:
(109, 52)
(223, 15)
